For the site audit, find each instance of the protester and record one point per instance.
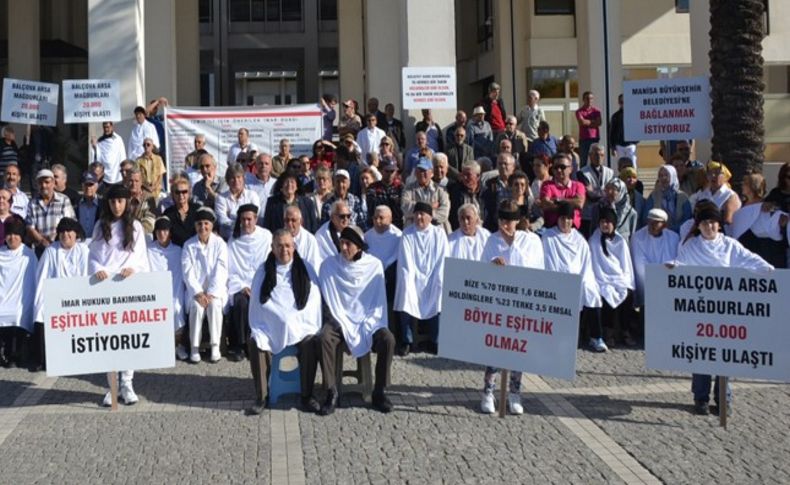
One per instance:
(280, 161)
(262, 181)
(342, 184)
(19, 199)
(118, 246)
(720, 193)
(561, 188)
(248, 248)
(468, 190)
(420, 274)
(589, 119)
(46, 209)
(61, 183)
(286, 194)
(141, 130)
(479, 133)
(668, 197)
(424, 189)
(595, 176)
(17, 290)
(353, 286)
(328, 105)
(5, 210)
(191, 160)
(509, 247)
(322, 189)
(653, 244)
(468, 240)
(706, 246)
(243, 145)
(229, 202)
(89, 204)
(632, 184)
(142, 203)
(383, 240)
(616, 198)
(350, 122)
(387, 191)
(305, 242)
(285, 310)
(204, 261)
(531, 115)
(182, 213)
(205, 191)
(328, 235)
(393, 127)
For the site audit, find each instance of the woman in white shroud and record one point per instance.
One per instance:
(17, 288)
(509, 247)
(707, 246)
(67, 257)
(118, 247)
(165, 255)
(614, 273)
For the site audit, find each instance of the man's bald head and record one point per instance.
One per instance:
(382, 218)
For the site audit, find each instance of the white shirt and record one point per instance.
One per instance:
(19, 203)
(421, 271)
(263, 189)
(17, 287)
(169, 259)
(110, 152)
(369, 140)
(233, 153)
(111, 257)
(205, 268)
(227, 205)
(384, 246)
(139, 133)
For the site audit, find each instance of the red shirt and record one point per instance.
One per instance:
(497, 122)
(589, 114)
(551, 190)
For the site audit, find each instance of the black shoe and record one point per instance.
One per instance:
(381, 403)
(432, 348)
(235, 355)
(701, 408)
(256, 409)
(310, 405)
(330, 404)
(404, 350)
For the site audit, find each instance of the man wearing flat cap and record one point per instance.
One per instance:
(424, 189)
(46, 209)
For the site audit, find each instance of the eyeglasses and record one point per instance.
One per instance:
(561, 167)
(344, 217)
(181, 192)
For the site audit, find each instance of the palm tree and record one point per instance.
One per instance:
(736, 81)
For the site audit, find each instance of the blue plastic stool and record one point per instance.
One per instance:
(283, 382)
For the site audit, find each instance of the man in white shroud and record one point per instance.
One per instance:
(17, 287)
(285, 310)
(164, 255)
(204, 261)
(383, 241)
(305, 242)
(67, 257)
(509, 247)
(248, 248)
(328, 235)
(420, 276)
(352, 284)
(566, 251)
(468, 241)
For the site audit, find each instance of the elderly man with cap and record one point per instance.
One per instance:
(17, 288)
(342, 182)
(420, 276)
(424, 189)
(204, 262)
(387, 192)
(479, 133)
(285, 310)
(566, 251)
(46, 209)
(89, 204)
(328, 235)
(248, 248)
(164, 255)
(352, 284)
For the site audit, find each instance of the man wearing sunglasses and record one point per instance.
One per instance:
(328, 235)
(561, 188)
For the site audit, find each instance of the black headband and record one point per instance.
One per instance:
(508, 215)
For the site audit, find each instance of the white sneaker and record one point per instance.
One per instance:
(181, 352)
(487, 405)
(127, 394)
(194, 357)
(215, 355)
(514, 404)
(598, 345)
(107, 402)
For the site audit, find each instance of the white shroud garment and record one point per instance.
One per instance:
(569, 253)
(723, 251)
(307, 247)
(752, 217)
(277, 323)
(205, 268)
(613, 273)
(17, 287)
(647, 249)
(245, 255)
(526, 250)
(462, 246)
(356, 296)
(421, 271)
(169, 259)
(111, 257)
(384, 246)
(58, 262)
(323, 236)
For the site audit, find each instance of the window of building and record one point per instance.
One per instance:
(292, 10)
(554, 7)
(554, 82)
(485, 25)
(327, 10)
(682, 6)
(205, 12)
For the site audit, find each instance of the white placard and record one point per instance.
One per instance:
(302, 124)
(429, 88)
(113, 325)
(510, 317)
(667, 109)
(720, 321)
(29, 102)
(91, 100)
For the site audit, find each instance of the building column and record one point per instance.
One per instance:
(699, 19)
(160, 50)
(351, 62)
(598, 46)
(24, 40)
(311, 67)
(382, 52)
(511, 18)
(187, 54)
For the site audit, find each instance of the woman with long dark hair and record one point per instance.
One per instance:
(118, 246)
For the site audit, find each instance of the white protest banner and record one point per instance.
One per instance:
(91, 100)
(113, 325)
(29, 102)
(720, 321)
(302, 124)
(510, 317)
(667, 109)
(429, 88)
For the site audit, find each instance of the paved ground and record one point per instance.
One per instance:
(616, 423)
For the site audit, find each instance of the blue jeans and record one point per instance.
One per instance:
(405, 327)
(584, 150)
(700, 387)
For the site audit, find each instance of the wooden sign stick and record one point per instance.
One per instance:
(503, 381)
(723, 401)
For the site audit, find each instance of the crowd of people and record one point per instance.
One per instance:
(344, 248)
